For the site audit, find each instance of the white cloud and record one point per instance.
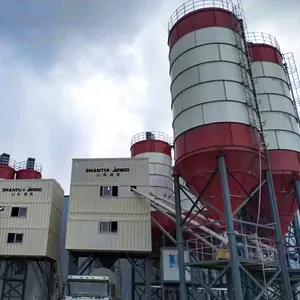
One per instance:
(95, 96)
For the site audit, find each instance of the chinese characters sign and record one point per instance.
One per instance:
(107, 171)
(22, 191)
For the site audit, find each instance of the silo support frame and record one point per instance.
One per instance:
(234, 260)
(24, 278)
(180, 241)
(287, 290)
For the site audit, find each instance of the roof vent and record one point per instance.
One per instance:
(4, 159)
(30, 163)
(150, 135)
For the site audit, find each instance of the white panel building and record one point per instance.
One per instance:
(30, 217)
(104, 214)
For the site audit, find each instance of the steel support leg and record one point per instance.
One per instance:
(287, 290)
(148, 267)
(297, 233)
(234, 261)
(180, 241)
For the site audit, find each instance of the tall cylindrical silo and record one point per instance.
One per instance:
(7, 167)
(212, 102)
(156, 146)
(279, 113)
(29, 169)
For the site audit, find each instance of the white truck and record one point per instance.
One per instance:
(89, 287)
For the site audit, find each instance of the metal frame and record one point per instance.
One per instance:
(15, 280)
(242, 278)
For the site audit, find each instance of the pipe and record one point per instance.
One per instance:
(184, 209)
(170, 210)
(196, 223)
(187, 229)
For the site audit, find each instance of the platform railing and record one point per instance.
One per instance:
(193, 5)
(151, 135)
(6, 161)
(248, 247)
(262, 38)
(23, 165)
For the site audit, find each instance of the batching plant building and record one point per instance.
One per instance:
(30, 226)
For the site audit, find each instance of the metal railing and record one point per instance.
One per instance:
(5, 161)
(248, 247)
(23, 165)
(262, 38)
(151, 135)
(193, 5)
(294, 80)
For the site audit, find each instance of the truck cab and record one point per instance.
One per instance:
(89, 287)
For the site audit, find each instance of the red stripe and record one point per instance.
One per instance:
(150, 146)
(28, 174)
(203, 18)
(7, 172)
(264, 52)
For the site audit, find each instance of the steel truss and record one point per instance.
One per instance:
(254, 268)
(27, 278)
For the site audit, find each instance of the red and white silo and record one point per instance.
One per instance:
(29, 169)
(156, 146)
(210, 102)
(7, 167)
(282, 136)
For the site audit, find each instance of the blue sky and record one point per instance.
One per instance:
(79, 78)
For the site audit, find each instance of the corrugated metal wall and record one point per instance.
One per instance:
(40, 225)
(87, 207)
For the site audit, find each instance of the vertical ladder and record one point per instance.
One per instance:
(293, 80)
(245, 62)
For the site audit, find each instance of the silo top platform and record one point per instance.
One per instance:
(194, 5)
(151, 135)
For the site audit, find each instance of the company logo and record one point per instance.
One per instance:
(107, 170)
(19, 190)
(104, 172)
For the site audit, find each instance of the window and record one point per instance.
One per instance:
(108, 227)
(15, 238)
(173, 261)
(109, 191)
(5, 211)
(103, 227)
(18, 212)
(114, 227)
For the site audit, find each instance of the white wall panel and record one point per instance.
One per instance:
(276, 107)
(210, 35)
(160, 173)
(194, 57)
(138, 174)
(34, 242)
(133, 236)
(208, 92)
(87, 208)
(185, 43)
(276, 103)
(266, 85)
(43, 216)
(86, 199)
(269, 69)
(213, 71)
(214, 112)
